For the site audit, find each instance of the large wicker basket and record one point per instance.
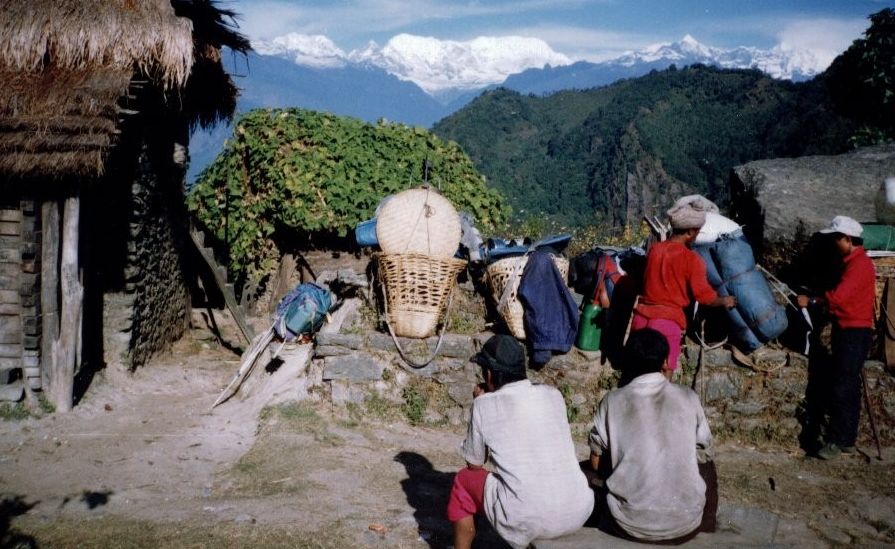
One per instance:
(499, 275)
(418, 221)
(416, 289)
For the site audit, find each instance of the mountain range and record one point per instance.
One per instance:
(419, 80)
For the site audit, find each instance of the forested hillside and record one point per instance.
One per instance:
(613, 153)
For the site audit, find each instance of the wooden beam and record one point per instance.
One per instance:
(66, 346)
(49, 285)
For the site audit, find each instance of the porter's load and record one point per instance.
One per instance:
(715, 227)
(417, 288)
(885, 201)
(504, 277)
(738, 331)
(418, 221)
(731, 270)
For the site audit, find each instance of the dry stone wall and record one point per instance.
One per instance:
(762, 404)
(154, 309)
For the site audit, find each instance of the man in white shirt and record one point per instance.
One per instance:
(655, 435)
(536, 489)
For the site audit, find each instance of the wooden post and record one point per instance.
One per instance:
(281, 284)
(49, 286)
(66, 346)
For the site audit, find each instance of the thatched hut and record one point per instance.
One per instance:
(98, 99)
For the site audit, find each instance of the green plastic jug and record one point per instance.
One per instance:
(590, 328)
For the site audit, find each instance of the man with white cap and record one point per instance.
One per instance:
(675, 276)
(850, 305)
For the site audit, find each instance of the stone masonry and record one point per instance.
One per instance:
(757, 404)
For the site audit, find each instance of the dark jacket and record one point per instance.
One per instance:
(550, 313)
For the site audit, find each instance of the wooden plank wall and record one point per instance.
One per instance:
(10, 302)
(19, 301)
(29, 292)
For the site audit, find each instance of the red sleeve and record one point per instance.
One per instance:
(700, 288)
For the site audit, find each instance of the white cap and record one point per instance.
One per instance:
(845, 225)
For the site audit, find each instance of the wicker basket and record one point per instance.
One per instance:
(418, 221)
(416, 290)
(499, 274)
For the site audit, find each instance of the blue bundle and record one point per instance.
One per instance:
(730, 266)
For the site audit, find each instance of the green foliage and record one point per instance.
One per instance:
(862, 80)
(570, 158)
(290, 173)
(13, 411)
(415, 403)
(572, 411)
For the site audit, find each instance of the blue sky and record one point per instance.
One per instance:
(581, 29)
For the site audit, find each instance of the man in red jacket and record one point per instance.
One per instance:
(850, 305)
(674, 277)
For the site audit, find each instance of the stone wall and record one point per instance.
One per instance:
(760, 404)
(153, 311)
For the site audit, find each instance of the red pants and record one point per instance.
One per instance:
(467, 494)
(667, 328)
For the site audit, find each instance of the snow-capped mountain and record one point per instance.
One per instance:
(446, 69)
(439, 67)
(777, 62)
(315, 51)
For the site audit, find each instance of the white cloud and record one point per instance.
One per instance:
(586, 44)
(820, 40)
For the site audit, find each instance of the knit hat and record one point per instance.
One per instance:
(687, 215)
(502, 353)
(845, 225)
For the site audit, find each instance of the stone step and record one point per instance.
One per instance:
(12, 392)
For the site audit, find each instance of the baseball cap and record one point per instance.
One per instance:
(502, 353)
(845, 225)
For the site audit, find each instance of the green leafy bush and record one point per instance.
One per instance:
(291, 173)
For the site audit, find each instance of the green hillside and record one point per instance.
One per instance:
(609, 154)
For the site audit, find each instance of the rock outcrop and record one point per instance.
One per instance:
(783, 201)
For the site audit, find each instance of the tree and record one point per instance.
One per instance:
(862, 80)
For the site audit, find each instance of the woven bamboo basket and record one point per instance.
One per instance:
(418, 221)
(416, 288)
(499, 274)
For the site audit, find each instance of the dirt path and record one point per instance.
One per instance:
(142, 462)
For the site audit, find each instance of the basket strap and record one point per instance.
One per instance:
(401, 350)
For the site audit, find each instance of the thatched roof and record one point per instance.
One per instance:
(66, 64)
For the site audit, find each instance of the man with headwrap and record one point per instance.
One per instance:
(675, 276)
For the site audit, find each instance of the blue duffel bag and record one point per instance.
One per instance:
(738, 330)
(755, 302)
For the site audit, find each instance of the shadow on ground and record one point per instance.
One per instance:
(427, 491)
(11, 507)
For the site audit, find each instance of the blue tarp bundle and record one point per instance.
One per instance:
(730, 266)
